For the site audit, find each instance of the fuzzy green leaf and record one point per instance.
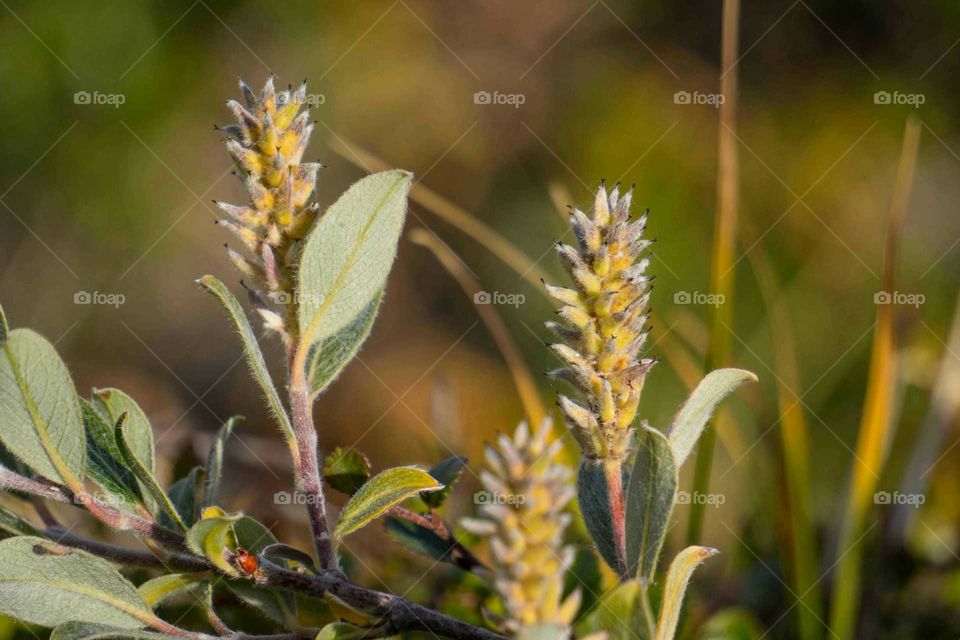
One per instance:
(145, 475)
(210, 536)
(105, 463)
(184, 495)
(420, 539)
(277, 605)
(651, 492)
(692, 418)
(89, 631)
(155, 591)
(593, 496)
(340, 631)
(349, 253)
(386, 489)
(40, 419)
(251, 349)
(618, 614)
(49, 584)
(346, 470)
(12, 525)
(329, 356)
(678, 577)
(113, 403)
(288, 554)
(446, 473)
(211, 485)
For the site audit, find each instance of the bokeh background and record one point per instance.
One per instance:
(116, 199)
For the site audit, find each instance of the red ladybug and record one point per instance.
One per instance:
(247, 562)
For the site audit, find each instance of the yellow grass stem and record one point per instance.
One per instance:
(722, 273)
(519, 371)
(877, 425)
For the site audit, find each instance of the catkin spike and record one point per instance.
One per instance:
(604, 323)
(526, 490)
(267, 144)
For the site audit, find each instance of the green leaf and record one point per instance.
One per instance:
(348, 254)
(690, 421)
(4, 327)
(210, 536)
(40, 419)
(251, 348)
(184, 495)
(155, 591)
(145, 475)
(340, 631)
(329, 356)
(593, 496)
(88, 631)
(105, 463)
(446, 473)
(651, 492)
(48, 584)
(113, 403)
(619, 614)
(420, 539)
(381, 492)
(346, 470)
(288, 554)
(278, 605)
(732, 624)
(12, 525)
(211, 485)
(678, 577)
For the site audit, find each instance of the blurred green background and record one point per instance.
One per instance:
(116, 199)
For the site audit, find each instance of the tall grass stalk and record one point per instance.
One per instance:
(721, 271)
(795, 433)
(876, 426)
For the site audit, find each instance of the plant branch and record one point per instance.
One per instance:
(395, 613)
(129, 557)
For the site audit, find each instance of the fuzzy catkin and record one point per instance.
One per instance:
(522, 516)
(267, 145)
(603, 324)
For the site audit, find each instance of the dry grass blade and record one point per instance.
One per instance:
(451, 213)
(877, 425)
(522, 379)
(721, 270)
(795, 433)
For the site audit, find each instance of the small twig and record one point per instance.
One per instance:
(124, 556)
(393, 612)
(461, 556)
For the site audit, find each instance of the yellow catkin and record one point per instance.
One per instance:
(603, 324)
(526, 490)
(267, 146)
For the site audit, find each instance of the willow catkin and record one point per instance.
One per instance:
(603, 324)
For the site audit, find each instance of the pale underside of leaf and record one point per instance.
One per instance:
(651, 492)
(90, 631)
(693, 416)
(381, 492)
(330, 355)
(40, 421)
(678, 577)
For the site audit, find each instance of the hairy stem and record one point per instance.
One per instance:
(308, 479)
